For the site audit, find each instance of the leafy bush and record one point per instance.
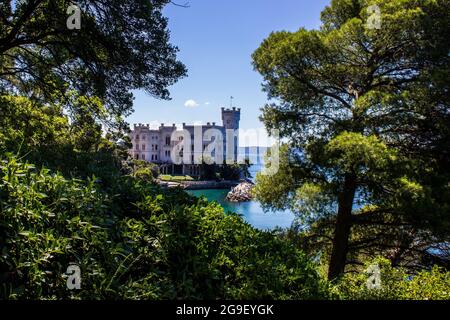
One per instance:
(143, 170)
(45, 136)
(396, 284)
(135, 241)
(230, 171)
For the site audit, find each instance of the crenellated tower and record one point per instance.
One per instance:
(230, 120)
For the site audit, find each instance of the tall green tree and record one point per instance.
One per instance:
(122, 45)
(363, 104)
(46, 136)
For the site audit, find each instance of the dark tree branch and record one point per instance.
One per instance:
(185, 5)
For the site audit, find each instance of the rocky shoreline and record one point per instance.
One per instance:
(242, 192)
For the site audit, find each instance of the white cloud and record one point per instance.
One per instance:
(191, 103)
(207, 103)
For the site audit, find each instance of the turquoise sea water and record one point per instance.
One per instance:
(251, 211)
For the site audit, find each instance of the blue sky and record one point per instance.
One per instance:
(216, 39)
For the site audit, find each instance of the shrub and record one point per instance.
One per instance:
(396, 284)
(144, 170)
(135, 241)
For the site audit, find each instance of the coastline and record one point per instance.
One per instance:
(200, 185)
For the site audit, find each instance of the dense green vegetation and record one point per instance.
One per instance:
(213, 171)
(364, 114)
(69, 193)
(122, 45)
(397, 284)
(136, 241)
(131, 238)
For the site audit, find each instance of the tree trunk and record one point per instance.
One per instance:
(342, 229)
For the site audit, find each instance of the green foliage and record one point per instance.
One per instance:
(143, 170)
(122, 45)
(275, 190)
(29, 126)
(231, 171)
(362, 113)
(224, 171)
(209, 171)
(352, 152)
(396, 284)
(46, 136)
(135, 241)
(131, 239)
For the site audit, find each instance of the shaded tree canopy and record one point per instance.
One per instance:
(366, 114)
(122, 45)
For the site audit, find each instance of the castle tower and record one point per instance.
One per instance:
(230, 120)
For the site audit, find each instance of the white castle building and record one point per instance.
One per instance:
(183, 150)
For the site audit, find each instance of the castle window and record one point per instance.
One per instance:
(156, 157)
(143, 156)
(137, 137)
(137, 157)
(137, 147)
(143, 147)
(168, 141)
(143, 137)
